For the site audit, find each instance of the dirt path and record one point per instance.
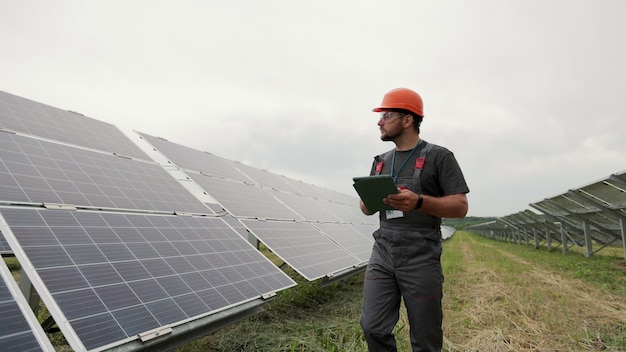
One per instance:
(526, 308)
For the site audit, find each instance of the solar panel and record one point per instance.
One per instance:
(268, 179)
(192, 159)
(317, 192)
(303, 247)
(308, 208)
(107, 277)
(348, 238)
(24, 115)
(366, 230)
(611, 193)
(447, 232)
(38, 171)
(243, 200)
(350, 213)
(20, 329)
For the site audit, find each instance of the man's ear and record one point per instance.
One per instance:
(407, 122)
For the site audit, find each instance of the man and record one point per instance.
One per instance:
(405, 261)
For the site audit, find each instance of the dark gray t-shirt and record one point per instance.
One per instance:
(440, 176)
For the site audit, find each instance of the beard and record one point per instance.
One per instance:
(390, 135)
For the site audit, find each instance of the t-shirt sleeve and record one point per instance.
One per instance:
(451, 177)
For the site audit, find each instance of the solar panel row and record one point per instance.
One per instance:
(115, 261)
(585, 215)
(308, 227)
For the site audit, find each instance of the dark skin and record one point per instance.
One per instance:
(398, 128)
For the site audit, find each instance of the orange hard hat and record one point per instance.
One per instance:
(402, 98)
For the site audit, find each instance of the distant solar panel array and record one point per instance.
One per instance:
(447, 232)
(581, 217)
(121, 249)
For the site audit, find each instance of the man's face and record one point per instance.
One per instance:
(390, 125)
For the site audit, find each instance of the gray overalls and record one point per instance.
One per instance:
(405, 263)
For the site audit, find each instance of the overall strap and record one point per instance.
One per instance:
(419, 162)
(419, 165)
(381, 160)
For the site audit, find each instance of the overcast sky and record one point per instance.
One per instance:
(529, 95)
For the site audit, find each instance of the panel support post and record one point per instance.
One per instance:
(536, 238)
(564, 240)
(587, 232)
(622, 225)
(254, 241)
(29, 292)
(526, 238)
(549, 241)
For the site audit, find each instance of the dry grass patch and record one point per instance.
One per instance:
(510, 304)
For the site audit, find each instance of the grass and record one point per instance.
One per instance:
(497, 297)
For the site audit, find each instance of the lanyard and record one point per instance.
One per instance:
(393, 161)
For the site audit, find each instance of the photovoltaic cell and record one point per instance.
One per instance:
(268, 179)
(20, 329)
(192, 159)
(24, 115)
(308, 208)
(350, 213)
(37, 171)
(303, 247)
(244, 200)
(349, 238)
(366, 230)
(115, 275)
(318, 192)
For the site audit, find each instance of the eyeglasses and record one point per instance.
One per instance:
(387, 116)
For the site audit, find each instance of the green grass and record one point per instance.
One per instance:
(605, 269)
